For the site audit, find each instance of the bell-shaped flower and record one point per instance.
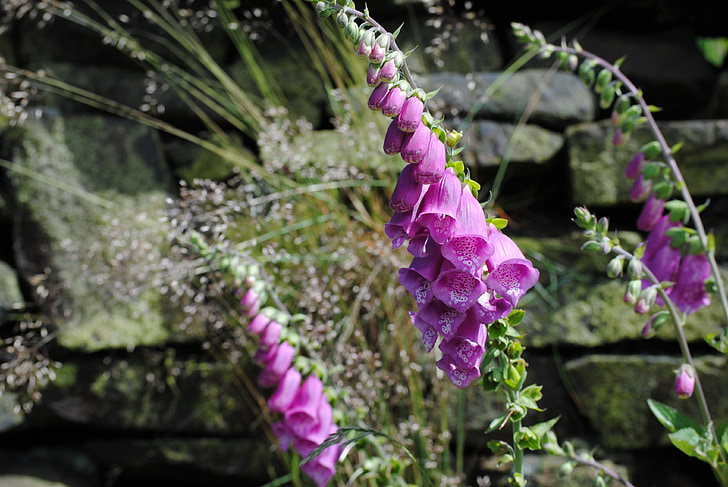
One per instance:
(641, 189)
(635, 166)
(659, 257)
(511, 274)
(411, 115)
(438, 209)
(458, 289)
(302, 416)
(417, 285)
(401, 227)
(250, 303)
(467, 347)
(651, 213)
(373, 75)
(684, 381)
(419, 243)
(461, 377)
(286, 391)
(416, 144)
(429, 333)
(443, 318)
(392, 62)
(468, 248)
(394, 139)
(322, 468)
(429, 265)
(309, 442)
(432, 166)
(394, 102)
(689, 294)
(277, 366)
(407, 192)
(258, 324)
(284, 434)
(490, 308)
(380, 48)
(376, 99)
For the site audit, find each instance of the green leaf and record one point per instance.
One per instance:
(516, 316)
(672, 419)
(688, 441)
(500, 223)
(498, 422)
(396, 32)
(526, 438)
(433, 94)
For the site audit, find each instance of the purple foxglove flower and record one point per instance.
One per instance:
(443, 318)
(306, 444)
(428, 266)
(438, 209)
(429, 333)
(511, 274)
(287, 388)
(379, 49)
(461, 377)
(457, 289)
(651, 213)
(467, 347)
(407, 192)
(620, 138)
(284, 433)
(302, 416)
(394, 102)
(364, 48)
(411, 115)
(659, 257)
(270, 336)
(640, 189)
(373, 75)
(258, 324)
(432, 166)
(394, 139)
(322, 468)
(419, 243)
(689, 294)
(416, 144)
(684, 381)
(489, 308)
(468, 247)
(250, 303)
(278, 364)
(417, 285)
(635, 166)
(376, 99)
(401, 227)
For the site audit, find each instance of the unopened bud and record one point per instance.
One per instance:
(615, 267)
(584, 218)
(366, 41)
(603, 79)
(654, 324)
(646, 300)
(684, 381)
(603, 225)
(351, 32)
(341, 19)
(453, 137)
(635, 269)
(634, 288)
(622, 105)
(571, 62)
(607, 97)
(373, 75)
(592, 246)
(651, 150)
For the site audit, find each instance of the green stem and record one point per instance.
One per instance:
(517, 451)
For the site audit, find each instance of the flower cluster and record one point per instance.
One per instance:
(465, 273)
(306, 413)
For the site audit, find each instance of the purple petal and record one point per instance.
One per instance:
(411, 115)
(444, 319)
(461, 377)
(429, 333)
(432, 166)
(394, 102)
(302, 416)
(285, 392)
(438, 209)
(467, 347)
(393, 139)
(689, 294)
(277, 366)
(376, 99)
(415, 146)
(468, 248)
(407, 192)
(417, 285)
(651, 213)
(458, 289)
(489, 308)
(512, 279)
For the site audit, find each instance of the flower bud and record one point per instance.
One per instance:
(379, 49)
(663, 190)
(392, 62)
(351, 32)
(584, 218)
(376, 99)
(607, 97)
(684, 381)
(646, 300)
(453, 137)
(572, 62)
(411, 115)
(393, 139)
(641, 189)
(341, 19)
(373, 75)
(586, 73)
(622, 105)
(651, 150)
(634, 288)
(615, 267)
(635, 166)
(651, 213)
(366, 41)
(603, 79)
(655, 322)
(603, 225)
(591, 246)
(394, 101)
(620, 137)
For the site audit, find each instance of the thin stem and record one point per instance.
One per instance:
(517, 451)
(607, 471)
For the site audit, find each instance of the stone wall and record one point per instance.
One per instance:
(137, 400)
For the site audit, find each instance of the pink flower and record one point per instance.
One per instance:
(411, 115)
(684, 381)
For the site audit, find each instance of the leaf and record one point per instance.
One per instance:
(433, 94)
(676, 147)
(516, 316)
(396, 32)
(688, 441)
(672, 419)
(498, 422)
(500, 223)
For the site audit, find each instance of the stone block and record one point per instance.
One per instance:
(489, 143)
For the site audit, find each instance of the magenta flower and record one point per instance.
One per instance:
(388, 70)
(401, 227)
(394, 139)
(438, 209)
(373, 75)
(511, 274)
(258, 324)
(651, 213)
(489, 308)
(467, 347)
(432, 166)
(286, 391)
(407, 192)
(322, 468)
(635, 166)
(659, 257)
(419, 243)
(306, 444)
(250, 303)
(429, 333)
(417, 285)
(411, 115)
(461, 377)
(394, 102)
(376, 99)
(640, 189)
(277, 366)
(457, 289)
(689, 294)
(416, 144)
(284, 434)
(302, 416)
(441, 317)
(468, 247)
(684, 381)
